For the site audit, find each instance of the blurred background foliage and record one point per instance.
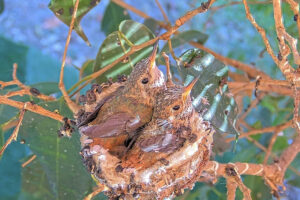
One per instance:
(32, 36)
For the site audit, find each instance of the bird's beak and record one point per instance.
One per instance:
(152, 57)
(187, 89)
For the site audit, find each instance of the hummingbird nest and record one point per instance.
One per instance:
(168, 176)
(159, 157)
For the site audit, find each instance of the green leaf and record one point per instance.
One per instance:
(152, 24)
(1, 6)
(35, 183)
(46, 88)
(270, 103)
(185, 37)
(113, 16)
(280, 144)
(10, 53)
(63, 10)
(59, 158)
(211, 95)
(87, 68)
(259, 190)
(117, 44)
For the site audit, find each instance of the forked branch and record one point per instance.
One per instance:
(14, 135)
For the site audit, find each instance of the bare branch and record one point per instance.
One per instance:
(162, 11)
(14, 135)
(189, 15)
(31, 107)
(25, 90)
(238, 3)
(295, 8)
(73, 106)
(277, 128)
(28, 161)
(269, 150)
(231, 188)
(261, 31)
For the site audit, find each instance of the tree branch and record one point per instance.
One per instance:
(14, 135)
(73, 106)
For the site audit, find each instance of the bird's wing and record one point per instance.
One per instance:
(113, 126)
(161, 143)
(94, 114)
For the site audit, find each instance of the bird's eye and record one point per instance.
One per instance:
(145, 81)
(176, 107)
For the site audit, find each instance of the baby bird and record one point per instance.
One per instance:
(130, 108)
(174, 122)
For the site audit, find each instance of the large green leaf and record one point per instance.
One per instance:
(46, 88)
(63, 10)
(35, 184)
(113, 16)
(59, 157)
(117, 44)
(211, 96)
(185, 37)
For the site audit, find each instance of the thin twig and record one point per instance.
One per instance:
(131, 8)
(283, 64)
(10, 123)
(189, 15)
(73, 106)
(162, 11)
(266, 86)
(252, 105)
(14, 135)
(172, 51)
(257, 144)
(31, 107)
(28, 161)
(289, 154)
(294, 5)
(25, 90)
(277, 128)
(99, 189)
(238, 3)
(261, 31)
(269, 150)
(231, 188)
